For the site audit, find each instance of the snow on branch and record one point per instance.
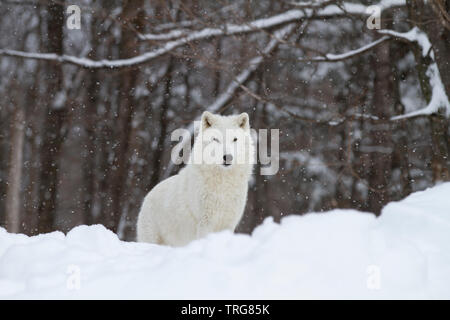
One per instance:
(311, 4)
(330, 57)
(357, 8)
(439, 101)
(120, 63)
(173, 34)
(98, 64)
(413, 35)
(48, 57)
(226, 96)
(289, 16)
(185, 38)
(231, 29)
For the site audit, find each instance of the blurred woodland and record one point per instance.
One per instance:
(86, 114)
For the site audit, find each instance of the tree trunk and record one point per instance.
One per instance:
(33, 116)
(427, 18)
(53, 124)
(13, 201)
(157, 154)
(91, 120)
(132, 14)
(440, 162)
(380, 133)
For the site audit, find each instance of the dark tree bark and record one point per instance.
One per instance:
(259, 117)
(13, 192)
(427, 17)
(401, 151)
(91, 120)
(33, 170)
(34, 115)
(440, 162)
(157, 158)
(163, 122)
(54, 120)
(380, 133)
(217, 73)
(134, 16)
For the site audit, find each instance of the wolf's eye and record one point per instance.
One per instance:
(235, 139)
(215, 140)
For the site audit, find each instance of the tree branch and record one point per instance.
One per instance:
(229, 29)
(330, 57)
(326, 10)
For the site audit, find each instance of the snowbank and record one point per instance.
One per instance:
(339, 254)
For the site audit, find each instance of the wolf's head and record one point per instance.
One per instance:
(224, 142)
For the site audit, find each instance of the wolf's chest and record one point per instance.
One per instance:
(221, 210)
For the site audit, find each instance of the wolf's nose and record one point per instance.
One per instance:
(227, 158)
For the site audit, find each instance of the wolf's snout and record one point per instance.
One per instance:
(227, 159)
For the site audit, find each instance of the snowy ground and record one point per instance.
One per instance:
(342, 254)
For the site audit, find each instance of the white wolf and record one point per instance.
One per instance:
(210, 193)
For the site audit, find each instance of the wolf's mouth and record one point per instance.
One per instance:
(226, 164)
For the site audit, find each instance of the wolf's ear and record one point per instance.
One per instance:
(243, 121)
(208, 120)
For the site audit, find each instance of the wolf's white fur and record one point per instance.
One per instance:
(203, 197)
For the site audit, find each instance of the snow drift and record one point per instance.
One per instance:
(340, 254)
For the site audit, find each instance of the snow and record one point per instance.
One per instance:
(339, 254)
